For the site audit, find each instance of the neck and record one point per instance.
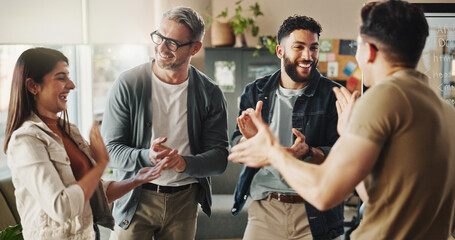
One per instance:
(49, 115)
(384, 69)
(175, 76)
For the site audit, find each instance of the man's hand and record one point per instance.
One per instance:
(158, 151)
(97, 147)
(345, 102)
(256, 151)
(175, 161)
(300, 148)
(246, 126)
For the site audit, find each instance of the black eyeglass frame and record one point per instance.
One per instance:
(167, 40)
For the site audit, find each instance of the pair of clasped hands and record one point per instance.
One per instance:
(257, 142)
(169, 158)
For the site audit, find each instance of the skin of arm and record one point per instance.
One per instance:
(351, 159)
(325, 185)
(117, 189)
(299, 149)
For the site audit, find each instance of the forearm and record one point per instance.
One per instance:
(301, 176)
(362, 191)
(127, 158)
(90, 181)
(318, 156)
(328, 184)
(117, 189)
(210, 163)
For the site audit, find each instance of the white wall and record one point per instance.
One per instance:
(339, 18)
(40, 21)
(120, 21)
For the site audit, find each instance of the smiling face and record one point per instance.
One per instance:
(51, 96)
(299, 53)
(165, 58)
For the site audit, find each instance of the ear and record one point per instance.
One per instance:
(195, 48)
(279, 51)
(372, 52)
(32, 86)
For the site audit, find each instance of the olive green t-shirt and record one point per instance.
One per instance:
(411, 188)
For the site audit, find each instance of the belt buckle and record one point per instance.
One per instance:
(158, 188)
(279, 196)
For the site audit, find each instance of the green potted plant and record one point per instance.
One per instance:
(12, 233)
(240, 22)
(267, 42)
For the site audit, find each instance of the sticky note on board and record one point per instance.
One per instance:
(330, 57)
(349, 69)
(351, 84)
(357, 73)
(332, 69)
(322, 57)
(325, 45)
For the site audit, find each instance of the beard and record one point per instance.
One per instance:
(291, 69)
(168, 65)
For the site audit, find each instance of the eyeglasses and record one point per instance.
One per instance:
(171, 44)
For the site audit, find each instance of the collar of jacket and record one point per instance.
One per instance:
(274, 80)
(34, 119)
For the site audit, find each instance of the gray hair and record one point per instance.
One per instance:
(190, 18)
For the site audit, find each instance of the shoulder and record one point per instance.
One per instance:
(135, 72)
(132, 80)
(202, 83)
(136, 75)
(28, 132)
(201, 79)
(266, 82)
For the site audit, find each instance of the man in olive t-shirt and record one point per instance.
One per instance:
(397, 148)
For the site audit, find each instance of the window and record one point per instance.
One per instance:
(107, 62)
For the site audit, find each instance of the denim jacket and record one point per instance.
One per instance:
(314, 114)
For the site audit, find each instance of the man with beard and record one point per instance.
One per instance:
(166, 110)
(299, 105)
(397, 142)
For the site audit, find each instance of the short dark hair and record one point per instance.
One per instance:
(297, 22)
(399, 27)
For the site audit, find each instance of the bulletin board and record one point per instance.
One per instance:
(337, 62)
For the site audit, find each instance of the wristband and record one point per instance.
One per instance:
(310, 152)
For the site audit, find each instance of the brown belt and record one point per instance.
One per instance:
(287, 198)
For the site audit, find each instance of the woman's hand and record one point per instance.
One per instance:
(148, 174)
(97, 146)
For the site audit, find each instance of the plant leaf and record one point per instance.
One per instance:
(255, 30)
(223, 14)
(256, 10)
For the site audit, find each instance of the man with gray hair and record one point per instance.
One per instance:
(166, 110)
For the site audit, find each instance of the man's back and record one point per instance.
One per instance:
(412, 186)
